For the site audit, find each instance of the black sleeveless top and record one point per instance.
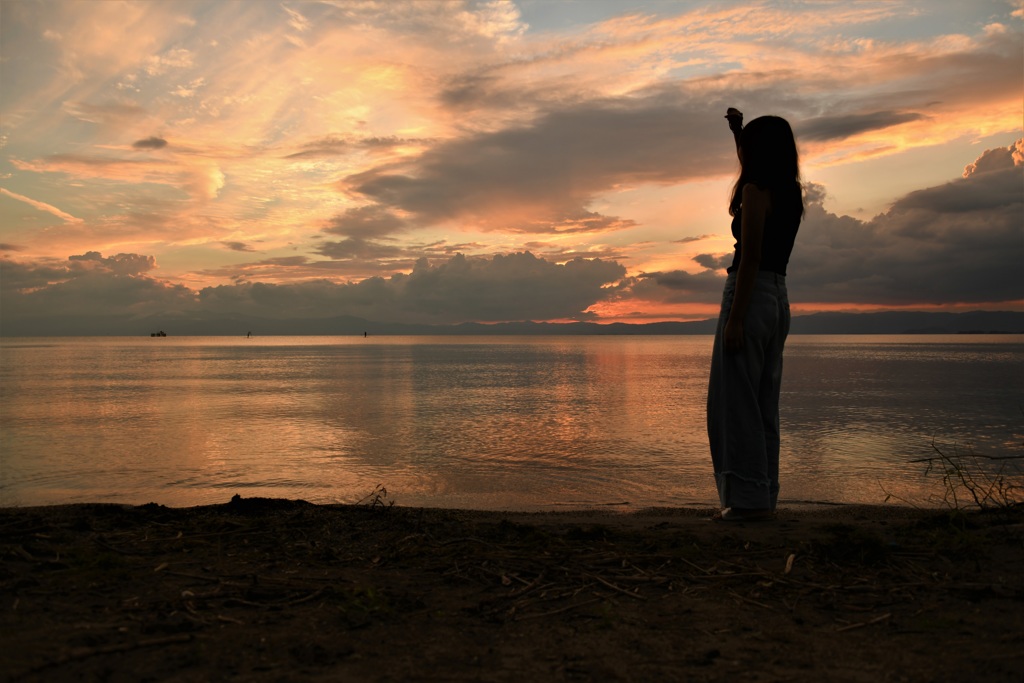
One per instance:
(779, 235)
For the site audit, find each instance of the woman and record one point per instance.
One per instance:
(746, 365)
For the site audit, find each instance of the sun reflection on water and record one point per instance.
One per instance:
(526, 423)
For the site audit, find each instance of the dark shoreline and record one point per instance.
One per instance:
(277, 590)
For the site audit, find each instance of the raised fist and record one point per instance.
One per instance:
(735, 118)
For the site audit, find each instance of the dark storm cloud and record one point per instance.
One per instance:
(535, 177)
(682, 286)
(541, 177)
(10, 247)
(87, 285)
(980, 191)
(366, 222)
(121, 264)
(516, 286)
(839, 127)
(237, 246)
(359, 248)
(150, 143)
(714, 261)
(1000, 158)
(17, 277)
(958, 242)
(472, 91)
(466, 89)
(513, 287)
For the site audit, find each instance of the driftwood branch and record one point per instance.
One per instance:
(943, 458)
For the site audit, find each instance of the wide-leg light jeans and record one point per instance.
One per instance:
(743, 397)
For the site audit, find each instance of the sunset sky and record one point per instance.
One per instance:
(441, 162)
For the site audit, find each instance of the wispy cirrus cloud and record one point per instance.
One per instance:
(42, 206)
(201, 178)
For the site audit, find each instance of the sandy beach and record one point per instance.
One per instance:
(280, 590)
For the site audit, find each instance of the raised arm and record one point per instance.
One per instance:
(735, 118)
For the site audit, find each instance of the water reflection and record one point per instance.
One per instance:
(507, 422)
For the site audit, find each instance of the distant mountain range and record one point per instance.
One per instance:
(975, 322)
(893, 322)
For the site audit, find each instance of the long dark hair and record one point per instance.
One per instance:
(768, 159)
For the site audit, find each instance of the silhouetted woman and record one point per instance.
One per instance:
(746, 365)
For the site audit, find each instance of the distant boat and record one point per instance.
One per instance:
(161, 333)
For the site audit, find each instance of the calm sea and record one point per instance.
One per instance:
(496, 422)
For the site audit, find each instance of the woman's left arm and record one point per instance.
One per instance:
(756, 203)
(735, 118)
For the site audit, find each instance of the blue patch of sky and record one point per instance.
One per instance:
(913, 21)
(929, 18)
(558, 15)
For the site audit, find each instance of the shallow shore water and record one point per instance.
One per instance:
(263, 589)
